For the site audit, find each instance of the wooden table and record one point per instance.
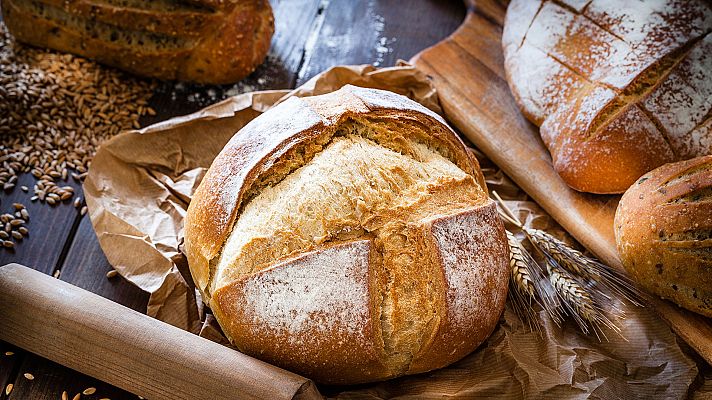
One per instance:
(311, 35)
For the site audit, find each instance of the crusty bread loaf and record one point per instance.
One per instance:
(618, 88)
(663, 231)
(349, 237)
(206, 41)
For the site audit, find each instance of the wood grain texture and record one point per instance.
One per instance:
(101, 338)
(50, 228)
(467, 69)
(51, 379)
(8, 364)
(377, 32)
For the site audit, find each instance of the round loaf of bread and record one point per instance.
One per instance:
(349, 237)
(618, 88)
(205, 41)
(663, 231)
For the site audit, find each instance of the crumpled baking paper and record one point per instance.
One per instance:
(139, 187)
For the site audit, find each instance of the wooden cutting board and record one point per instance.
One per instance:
(468, 71)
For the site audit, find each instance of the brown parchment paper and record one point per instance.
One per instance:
(140, 184)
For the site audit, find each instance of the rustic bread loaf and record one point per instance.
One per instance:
(618, 88)
(349, 237)
(663, 231)
(206, 41)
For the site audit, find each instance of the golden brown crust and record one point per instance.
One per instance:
(663, 231)
(262, 316)
(617, 89)
(345, 311)
(260, 144)
(208, 43)
(468, 248)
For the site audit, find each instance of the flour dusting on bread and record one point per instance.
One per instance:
(313, 239)
(581, 66)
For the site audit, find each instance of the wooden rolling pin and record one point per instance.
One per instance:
(118, 345)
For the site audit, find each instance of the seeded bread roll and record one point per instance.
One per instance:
(206, 41)
(349, 237)
(664, 233)
(617, 88)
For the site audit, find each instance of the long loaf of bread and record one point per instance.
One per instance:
(207, 41)
(618, 88)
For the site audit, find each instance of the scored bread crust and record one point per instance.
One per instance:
(205, 41)
(319, 312)
(663, 228)
(617, 88)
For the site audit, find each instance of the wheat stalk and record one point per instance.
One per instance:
(577, 263)
(520, 266)
(571, 286)
(585, 309)
(528, 283)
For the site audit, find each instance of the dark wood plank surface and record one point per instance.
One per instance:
(49, 226)
(310, 36)
(377, 32)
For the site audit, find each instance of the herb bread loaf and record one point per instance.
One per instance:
(206, 41)
(663, 229)
(349, 237)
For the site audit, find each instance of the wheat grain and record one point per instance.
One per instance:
(55, 110)
(583, 266)
(573, 294)
(519, 266)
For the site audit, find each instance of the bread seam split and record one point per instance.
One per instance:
(401, 352)
(524, 37)
(632, 95)
(585, 16)
(356, 241)
(331, 132)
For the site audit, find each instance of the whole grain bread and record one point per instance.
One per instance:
(206, 41)
(618, 88)
(349, 237)
(663, 229)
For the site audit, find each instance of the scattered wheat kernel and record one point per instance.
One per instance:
(89, 390)
(77, 396)
(8, 389)
(56, 273)
(111, 274)
(83, 210)
(28, 375)
(9, 353)
(65, 396)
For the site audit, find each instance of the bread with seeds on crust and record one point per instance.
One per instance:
(617, 88)
(206, 41)
(663, 229)
(349, 237)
